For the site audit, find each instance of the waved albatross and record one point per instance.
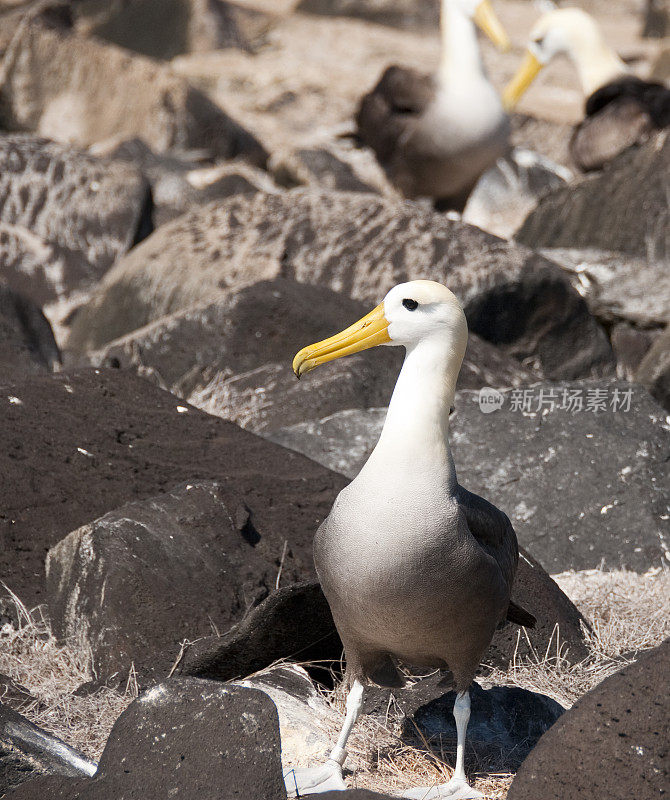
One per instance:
(620, 110)
(435, 135)
(415, 568)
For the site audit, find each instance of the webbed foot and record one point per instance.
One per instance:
(314, 780)
(456, 789)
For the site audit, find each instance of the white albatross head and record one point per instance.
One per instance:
(573, 33)
(411, 314)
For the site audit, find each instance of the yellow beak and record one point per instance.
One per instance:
(368, 332)
(486, 19)
(525, 75)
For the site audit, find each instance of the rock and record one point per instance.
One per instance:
(630, 345)
(26, 340)
(179, 181)
(75, 446)
(576, 484)
(65, 217)
(508, 191)
(184, 738)
(360, 245)
(654, 371)
(618, 287)
(316, 166)
(504, 719)
(583, 489)
(129, 587)
(292, 623)
(163, 30)
(232, 358)
(656, 19)
(399, 13)
(611, 743)
(603, 211)
(27, 751)
(54, 79)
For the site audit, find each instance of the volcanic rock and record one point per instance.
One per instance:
(611, 743)
(360, 245)
(27, 751)
(580, 468)
(164, 29)
(232, 358)
(184, 738)
(399, 13)
(65, 217)
(26, 340)
(135, 583)
(75, 446)
(623, 208)
(63, 85)
(504, 720)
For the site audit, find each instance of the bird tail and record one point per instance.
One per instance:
(520, 616)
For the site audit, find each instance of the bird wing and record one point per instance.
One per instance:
(384, 113)
(494, 532)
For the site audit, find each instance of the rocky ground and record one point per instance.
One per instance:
(182, 207)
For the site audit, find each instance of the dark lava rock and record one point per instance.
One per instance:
(233, 357)
(583, 488)
(612, 743)
(654, 371)
(65, 217)
(622, 208)
(184, 738)
(75, 446)
(360, 245)
(27, 751)
(293, 623)
(180, 181)
(168, 28)
(69, 87)
(135, 583)
(27, 342)
(398, 13)
(505, 721)
(316, 166)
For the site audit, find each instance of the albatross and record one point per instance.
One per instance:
(435, 135)
(416, 569)
(620, 109)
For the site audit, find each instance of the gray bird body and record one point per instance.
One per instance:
(415, 569)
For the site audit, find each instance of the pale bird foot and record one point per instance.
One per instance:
(456, 789)
(314, 780)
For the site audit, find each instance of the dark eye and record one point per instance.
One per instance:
(410, 305)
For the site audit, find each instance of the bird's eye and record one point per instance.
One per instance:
(410, 305)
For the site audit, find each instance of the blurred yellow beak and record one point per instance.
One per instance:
(486, 19)
(525, 75)
(368, 332)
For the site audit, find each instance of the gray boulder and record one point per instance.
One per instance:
(134, 584)
(183, 738)
(26, 340)
(65, 217)
(399, 13)
(233, 357)
(27, 751)
(360, 245)
(506, 721)
(611, 743)
(583, 488)
(75, 446)
(623, 208)
(69, 87)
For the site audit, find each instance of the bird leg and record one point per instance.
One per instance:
(327, 778)
(458, 787)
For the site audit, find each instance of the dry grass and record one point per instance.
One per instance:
(627, 612)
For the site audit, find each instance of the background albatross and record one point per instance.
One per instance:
(415, 568)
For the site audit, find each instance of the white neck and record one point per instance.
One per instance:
(460, 48)
(596, 66)
(415, 434)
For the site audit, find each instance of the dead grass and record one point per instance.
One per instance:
(627, 612)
